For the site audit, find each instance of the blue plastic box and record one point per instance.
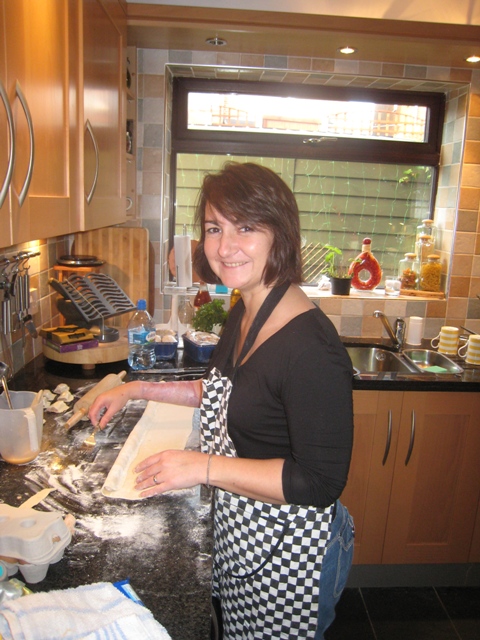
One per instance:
(165, 350)
(199, 353)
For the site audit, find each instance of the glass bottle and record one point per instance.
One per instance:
(235, 297)
(185, 314)
(365, 270)
(141, 338)
(431, 273)
(407, 271)
(202, 296)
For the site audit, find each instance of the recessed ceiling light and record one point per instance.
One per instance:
(347, 50)
(473, 59)
(216, 41)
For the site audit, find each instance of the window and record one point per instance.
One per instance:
(360, 163)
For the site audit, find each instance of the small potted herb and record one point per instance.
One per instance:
(340, 279)
(210, 315)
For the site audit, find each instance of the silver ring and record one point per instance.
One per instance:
(155, 479)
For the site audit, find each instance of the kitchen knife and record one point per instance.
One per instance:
(81, 407)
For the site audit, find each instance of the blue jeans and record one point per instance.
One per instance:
(335, 568)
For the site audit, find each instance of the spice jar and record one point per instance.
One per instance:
(424, 247)
(408, 271)
(431, 273)
(427, 228)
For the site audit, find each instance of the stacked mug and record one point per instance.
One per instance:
(471, 350)
(447, 341)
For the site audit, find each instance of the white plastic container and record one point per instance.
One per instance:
(21, 428)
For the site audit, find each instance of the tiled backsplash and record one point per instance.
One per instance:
(458, 199)
(457, 217)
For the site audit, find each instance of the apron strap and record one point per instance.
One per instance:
(268, 305)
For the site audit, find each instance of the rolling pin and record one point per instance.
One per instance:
(81, 407)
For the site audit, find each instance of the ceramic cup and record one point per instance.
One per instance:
(447, 340)
(471, 350)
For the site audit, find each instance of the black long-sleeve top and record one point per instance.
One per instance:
(292, 399)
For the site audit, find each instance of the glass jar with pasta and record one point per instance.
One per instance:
(408, 271)
(431, 274)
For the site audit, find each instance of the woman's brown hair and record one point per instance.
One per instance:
(255, 195)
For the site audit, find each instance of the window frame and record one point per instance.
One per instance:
(293, 145)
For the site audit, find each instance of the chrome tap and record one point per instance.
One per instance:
(397, 334)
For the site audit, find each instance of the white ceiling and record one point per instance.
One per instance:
(465, 12)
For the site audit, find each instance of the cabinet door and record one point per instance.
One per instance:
(6, 139)
(37, 61)
(367, 494)
(436, 483)
(103, 119)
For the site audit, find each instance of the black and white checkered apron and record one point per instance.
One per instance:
(267, 558)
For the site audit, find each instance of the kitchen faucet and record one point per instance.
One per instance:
(397, 335)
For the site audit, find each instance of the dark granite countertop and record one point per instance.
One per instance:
(163, 544)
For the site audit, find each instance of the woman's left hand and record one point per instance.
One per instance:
(171, 469)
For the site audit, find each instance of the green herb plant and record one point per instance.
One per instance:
(331, 261)
(209, 315)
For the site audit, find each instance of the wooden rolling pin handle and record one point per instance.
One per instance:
(82, 406)
(78, 415)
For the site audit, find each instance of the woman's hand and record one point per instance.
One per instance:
(111, 401)
(171, 469)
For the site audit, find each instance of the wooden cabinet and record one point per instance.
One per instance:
(62, 117)
(414, 484)
(102, 114)
(35, 72)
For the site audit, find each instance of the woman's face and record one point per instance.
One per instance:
(236, 252)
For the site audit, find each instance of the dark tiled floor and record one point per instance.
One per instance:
(399, 613)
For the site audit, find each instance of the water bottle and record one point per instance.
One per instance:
(141, 339)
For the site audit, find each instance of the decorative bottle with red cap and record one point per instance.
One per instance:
(365, 269)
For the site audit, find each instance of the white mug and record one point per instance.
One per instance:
(471, 350)
(447, 340)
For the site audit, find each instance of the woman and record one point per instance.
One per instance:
(276, 419)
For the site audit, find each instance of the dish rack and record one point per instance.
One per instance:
(90, 300)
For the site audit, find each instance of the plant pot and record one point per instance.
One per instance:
(340, 286)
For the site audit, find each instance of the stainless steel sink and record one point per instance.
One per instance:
(370, 359)
(429, 361)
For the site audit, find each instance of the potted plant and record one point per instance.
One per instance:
(340, 280)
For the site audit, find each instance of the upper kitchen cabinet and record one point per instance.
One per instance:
(102, 115)
(35, 131)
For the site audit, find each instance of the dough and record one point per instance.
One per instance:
(162, 426)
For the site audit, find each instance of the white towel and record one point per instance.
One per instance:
(91, 612)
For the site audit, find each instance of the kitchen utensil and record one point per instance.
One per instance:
(79, 261)
(81, 407)
(91, 440)
(36, 498)
(474, 333)
(4, 371)
(471, 350)
(21, 428)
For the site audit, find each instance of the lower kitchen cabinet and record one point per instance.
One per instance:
(414, 483)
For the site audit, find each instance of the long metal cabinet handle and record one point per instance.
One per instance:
(11, 133)
(412, 439)
(88, 127)
(28, 116)
(389, 438)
